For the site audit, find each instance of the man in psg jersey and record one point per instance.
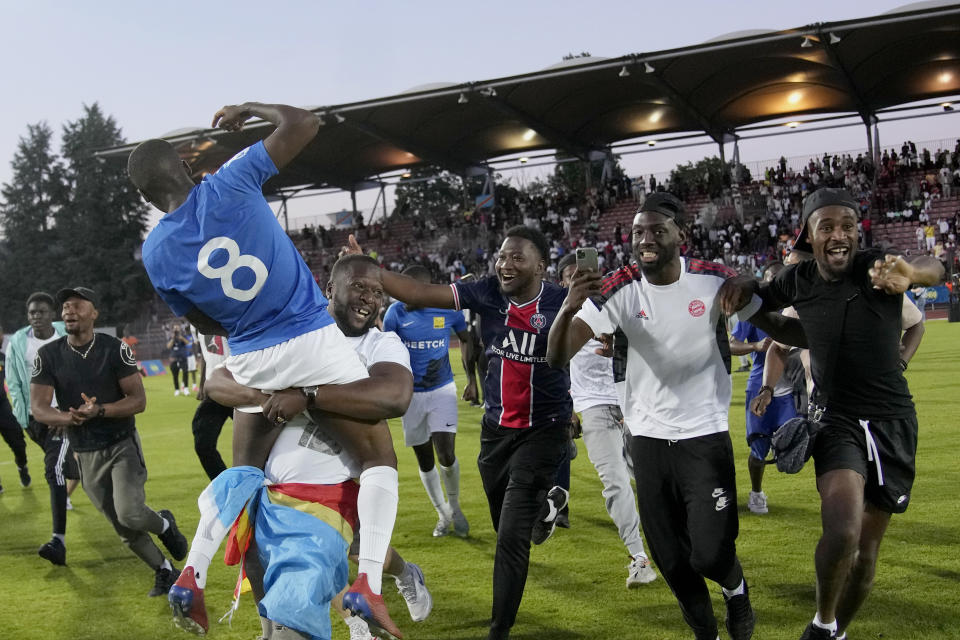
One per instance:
(528, 406)
(99, 391)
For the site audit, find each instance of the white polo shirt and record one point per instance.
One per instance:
(677, 369)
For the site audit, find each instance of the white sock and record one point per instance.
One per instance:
(210, 534)
(451, 482)
(61, 537)
(431, 482)
(817, 622)
(734, 592)
(377, 511)
(166, 525)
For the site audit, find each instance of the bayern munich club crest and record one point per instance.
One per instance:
(696, 308)
(538, 321)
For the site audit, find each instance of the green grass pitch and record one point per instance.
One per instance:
(576, 584)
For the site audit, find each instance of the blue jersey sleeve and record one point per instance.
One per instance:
(744, 332)
(457, 322)
(390, 318)
(245, 172)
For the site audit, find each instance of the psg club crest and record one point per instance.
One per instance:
(538, 321)
(696, 308)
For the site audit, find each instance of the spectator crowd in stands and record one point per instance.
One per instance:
(456, 242)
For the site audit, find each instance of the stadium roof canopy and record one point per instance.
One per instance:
(583, 105)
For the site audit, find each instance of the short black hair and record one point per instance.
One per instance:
(42, 296)
(566, 261)
(417, 271)
(152, 165)
(349, 260)
(533, 235)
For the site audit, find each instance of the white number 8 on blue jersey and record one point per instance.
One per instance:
(235, 260)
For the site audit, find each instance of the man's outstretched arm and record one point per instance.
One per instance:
(409, 290)
(295, 127)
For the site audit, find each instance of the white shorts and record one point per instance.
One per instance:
(191, 363)
(430, 412)
(322, 356)
(305, 453)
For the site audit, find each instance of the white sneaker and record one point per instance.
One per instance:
(358, 628)
(186, 391)
(461, 527)
(640, 572)
(177, 392)
(69, 504)
(445, 519)
(757, 502)
(414, 590)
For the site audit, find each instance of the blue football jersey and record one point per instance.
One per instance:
(520, 389)
(224, 253)
(426, 334)
(746, 332)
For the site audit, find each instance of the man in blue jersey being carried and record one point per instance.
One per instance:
(219, 258)
(431, 420)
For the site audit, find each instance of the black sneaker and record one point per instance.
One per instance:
(172, 539)
(24, 477)
(813, 632)
(740, 618)
(563, 518)
(543, 528)
(54, 551)
(163, 579)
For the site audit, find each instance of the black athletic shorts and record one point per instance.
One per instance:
(843, 444)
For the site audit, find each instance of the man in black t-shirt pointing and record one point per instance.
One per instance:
(849, 304)
(98, 391)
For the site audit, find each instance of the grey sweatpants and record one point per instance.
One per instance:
(603, 434)
(114, 478)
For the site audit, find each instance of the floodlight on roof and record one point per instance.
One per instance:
(806, 43)
(462, 99)
(834, 38)
(651, 143)
(488, 92)
(405, 174)
(524, 160)
(792, 125)
(648, 68)
(624, 73)
(529, 135)
(340, 119)
(945, 77)
(947, 106)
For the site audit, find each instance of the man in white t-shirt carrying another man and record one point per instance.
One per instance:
(307, 465)
(595, 397)
(677, 399)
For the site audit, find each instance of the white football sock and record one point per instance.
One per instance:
(210, 534)
(377, 511)
(451, 482)
(831, 626)
(431, 482)
(734, 592)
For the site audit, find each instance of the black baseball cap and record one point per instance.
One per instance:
(825, 197)
(80, 292)
(666, 204)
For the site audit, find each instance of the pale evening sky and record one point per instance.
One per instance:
(156, 67)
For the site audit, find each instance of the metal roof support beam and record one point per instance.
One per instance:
(849, 84)
(678, 100)
(429, 155)
(556, 137)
